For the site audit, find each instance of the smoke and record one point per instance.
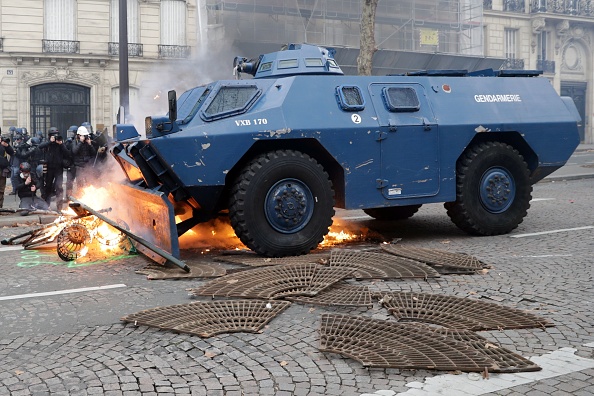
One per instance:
(210, 63)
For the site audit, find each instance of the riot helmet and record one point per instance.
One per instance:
(35, 141)
(25, 167)
(52, 131)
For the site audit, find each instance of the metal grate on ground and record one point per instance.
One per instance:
(372, 265)
(341, 294)
(275, 282)
(508, 361)
(206, 319)
(258, 261)
(381, 343)
(197, 270)
(458, 313)
(444, 262)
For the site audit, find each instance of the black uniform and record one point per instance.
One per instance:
(83, 154)
(28, 195)
(54, 153)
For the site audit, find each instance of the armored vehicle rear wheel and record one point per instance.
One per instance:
(393, 213)
(493, 190)
(282, 204)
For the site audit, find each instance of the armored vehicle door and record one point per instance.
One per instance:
(409, 141)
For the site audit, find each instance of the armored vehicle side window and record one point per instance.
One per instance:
(401, 99)
(350, 98)
(229, 100)
(287, 63)
(310, 62)
(265, 66)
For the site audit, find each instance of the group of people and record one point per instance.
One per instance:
(38, 164)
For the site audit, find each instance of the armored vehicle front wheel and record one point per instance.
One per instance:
(393, 213)
(282, 204)
(493, 190)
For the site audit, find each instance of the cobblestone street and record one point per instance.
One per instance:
(75, 344)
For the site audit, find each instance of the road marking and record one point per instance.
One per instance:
(7, 248)
(57, 292)
(542, 199)
(560, 362)
(551, 232)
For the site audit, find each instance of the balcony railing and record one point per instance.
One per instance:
(547, 66)
(487, 4)
(61, 46)
(174, 51)
(513, 5)
(567, 7)
(1, 44)
(133, 49)
(513, 64)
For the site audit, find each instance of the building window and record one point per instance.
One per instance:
(60, 20)
(173, 22)
(510, 43)
(542, 45)
(133, 25)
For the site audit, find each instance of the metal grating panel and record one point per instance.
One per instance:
(508, 361)
(380, 343)
(197, 270)
(458, 313)
(339, 294)
(206, 319)
(371, 265)
(258, 261)
(444, 262)
(274, 282)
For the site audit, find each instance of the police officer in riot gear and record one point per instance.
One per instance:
(83, 154)
(54, 153)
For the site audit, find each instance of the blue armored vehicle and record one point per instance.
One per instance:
(279, 151)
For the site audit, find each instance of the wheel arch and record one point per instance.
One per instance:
(311, 147)
(513, 139)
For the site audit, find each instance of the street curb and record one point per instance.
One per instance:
(566, 178)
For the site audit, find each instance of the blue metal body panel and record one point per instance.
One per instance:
(386, 154)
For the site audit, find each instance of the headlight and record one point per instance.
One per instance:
(148, 127)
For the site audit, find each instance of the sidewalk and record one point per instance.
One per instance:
(12, 202)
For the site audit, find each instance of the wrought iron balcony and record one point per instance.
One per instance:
(547, 66)
(174, 51)
(61, 46)
(513, 5)
(513, 64)
(1, 44)
(487, 4)
(568, 7)
(133, 49)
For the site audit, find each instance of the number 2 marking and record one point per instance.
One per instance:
(356, 118)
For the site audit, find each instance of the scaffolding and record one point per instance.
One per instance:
(434, 26)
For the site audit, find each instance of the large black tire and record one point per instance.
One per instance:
(282, 204)
(493, 190)
(393, 213)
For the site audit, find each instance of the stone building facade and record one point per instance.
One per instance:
(555, 36)
(59, 63)
(59, 59)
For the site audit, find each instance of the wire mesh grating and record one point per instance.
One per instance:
(458, 313)
(380, 343)
(444, 262)
(371, 265)
(206, 319)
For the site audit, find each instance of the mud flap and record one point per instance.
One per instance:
(149, 214)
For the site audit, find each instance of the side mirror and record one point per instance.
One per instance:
(172, 99)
